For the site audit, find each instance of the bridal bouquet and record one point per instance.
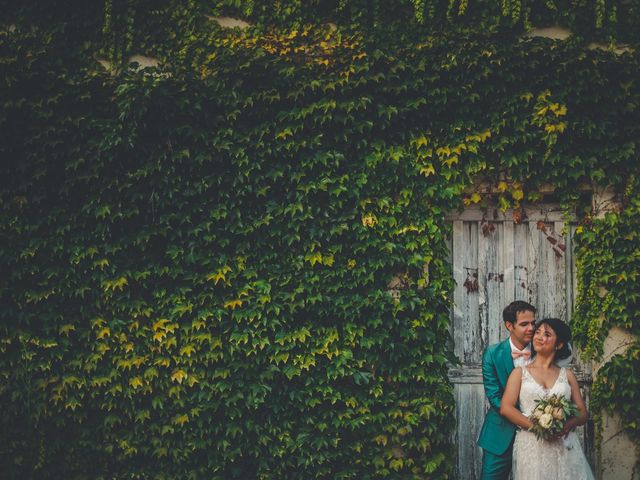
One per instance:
(550, 415)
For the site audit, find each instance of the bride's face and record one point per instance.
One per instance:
(545, 339)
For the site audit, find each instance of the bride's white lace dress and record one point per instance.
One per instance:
(535, 459)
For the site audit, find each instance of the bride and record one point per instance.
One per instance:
(560, 458)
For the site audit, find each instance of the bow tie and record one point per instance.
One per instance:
(525, 354)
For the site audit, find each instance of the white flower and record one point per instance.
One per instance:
(545, 420)
(548, 409)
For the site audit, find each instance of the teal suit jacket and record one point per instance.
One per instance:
(497, 432)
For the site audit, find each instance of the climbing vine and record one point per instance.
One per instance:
(199, 254)
(609, 265)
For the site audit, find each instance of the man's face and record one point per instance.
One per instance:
(522, 331)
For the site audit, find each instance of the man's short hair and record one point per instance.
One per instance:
(510, 312)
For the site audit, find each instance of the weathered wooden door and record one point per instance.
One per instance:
(495, 261)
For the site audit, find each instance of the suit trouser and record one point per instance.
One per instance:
(497, 467)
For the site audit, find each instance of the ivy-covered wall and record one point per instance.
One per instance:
(196, 258)
(609, 253)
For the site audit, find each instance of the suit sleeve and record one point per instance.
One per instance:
(490, 380)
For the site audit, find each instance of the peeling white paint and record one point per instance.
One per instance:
(106, 64)
(143, 61)
(8, 28)
(229, 22)
(554, 33)
(617, 342)
(618, 49)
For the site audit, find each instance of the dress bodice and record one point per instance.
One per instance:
(534, 459)
(530, 390)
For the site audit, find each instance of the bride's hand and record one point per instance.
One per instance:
(569, 426)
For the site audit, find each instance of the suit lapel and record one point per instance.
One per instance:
(506, 360)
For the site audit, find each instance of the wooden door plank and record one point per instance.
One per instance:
(532, 246)
(484, 243)
(494, 277)
(458, 297)
(508, 248)
(469, 416)
(559, 293)
(471, 330)
(521, 262)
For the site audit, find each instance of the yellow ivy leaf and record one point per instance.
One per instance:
(105, 332)
(442, 151)
(171, 327)
(187, 350)
(369, 220)
(191, 380)
(65, 329)
(328, 260)
(72, 405)
(484, 135)
(427, 170)
(517, 195)
(180, 419)
(136, 382)
(313, 258)
(452, 160)
(422, 141)
(219, 275)
(97, 322)
(159, 324)
(475, 197)
(197, 324)
(178, 375)
(163, 362)
(502, 187)
(381, 440)
(117, 284)
(158, 336)
(138, 361)
(233, 304)
(284, 134)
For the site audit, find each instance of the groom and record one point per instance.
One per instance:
(497, 434)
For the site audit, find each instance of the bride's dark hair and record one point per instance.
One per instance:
(563, 334)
